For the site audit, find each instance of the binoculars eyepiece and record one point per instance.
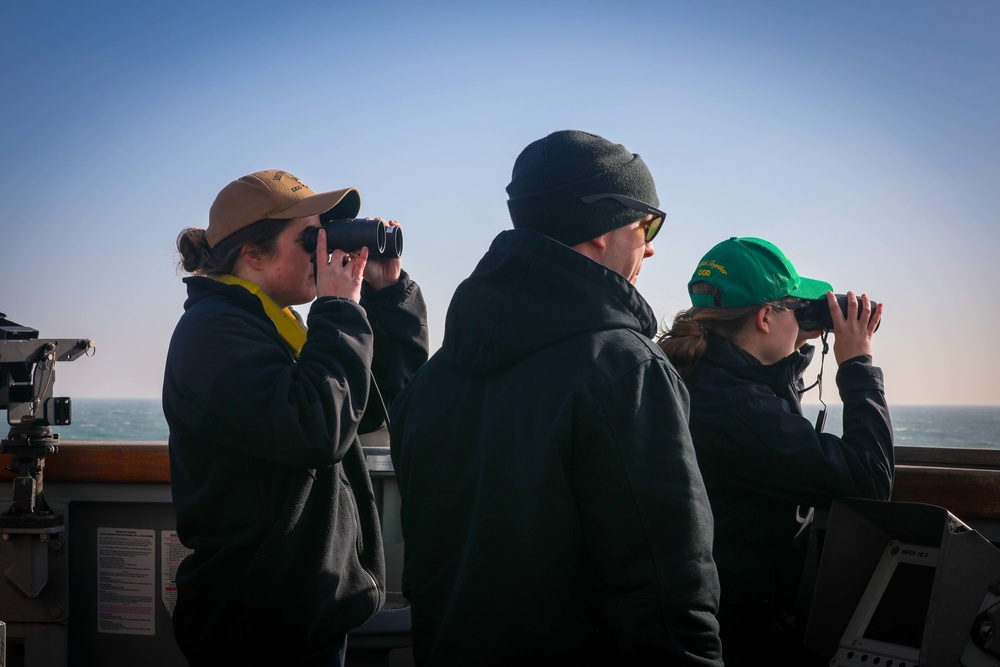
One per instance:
(353, 234)
(816, 314)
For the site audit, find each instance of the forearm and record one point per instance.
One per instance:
(867, 424)
(399, 320)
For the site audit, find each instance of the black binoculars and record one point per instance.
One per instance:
(816, 314)
(353, 234)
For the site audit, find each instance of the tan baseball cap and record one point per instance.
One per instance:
(274, 194)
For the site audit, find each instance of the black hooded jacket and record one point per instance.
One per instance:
(764, 465)
(553, 511)
(270, 486)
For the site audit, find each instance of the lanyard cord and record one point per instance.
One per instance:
(821, 417)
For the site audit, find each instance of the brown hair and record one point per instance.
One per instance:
(199, 258)
(686, 341)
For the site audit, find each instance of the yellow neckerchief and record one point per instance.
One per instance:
(288, 325)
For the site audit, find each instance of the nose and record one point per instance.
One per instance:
(648, 250)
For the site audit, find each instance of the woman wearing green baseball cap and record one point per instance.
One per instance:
(742, 354)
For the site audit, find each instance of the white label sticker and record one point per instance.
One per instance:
(126, 570)
(172, 552)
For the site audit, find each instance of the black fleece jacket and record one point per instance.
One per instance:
(553, 512)
(269, 481)
(764, 463)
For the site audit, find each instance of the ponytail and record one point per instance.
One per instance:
(194, 249)
(686, 341)
(201, 259)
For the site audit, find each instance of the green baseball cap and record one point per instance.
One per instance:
(748, 271)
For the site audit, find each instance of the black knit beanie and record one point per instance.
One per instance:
(552, 174)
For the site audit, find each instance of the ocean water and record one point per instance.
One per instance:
(115, 419)
(976, 426)
(138, 419)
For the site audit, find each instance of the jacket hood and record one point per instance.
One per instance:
(781, 376)
(729, 355)
(529, 292)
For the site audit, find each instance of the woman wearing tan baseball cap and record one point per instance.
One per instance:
(269, 481)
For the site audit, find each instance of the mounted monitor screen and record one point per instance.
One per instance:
(888, 623)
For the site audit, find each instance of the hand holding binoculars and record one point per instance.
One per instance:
(815, 315)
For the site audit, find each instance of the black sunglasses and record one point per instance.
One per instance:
(652, 227)
(790, 303)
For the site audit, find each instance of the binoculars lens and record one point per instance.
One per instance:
(393, 243)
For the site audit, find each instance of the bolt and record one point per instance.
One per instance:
(986, 630)
(56, 611)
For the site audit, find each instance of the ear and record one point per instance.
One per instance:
(251, 255)
(593, 248)
(763, 319)
(601, 241)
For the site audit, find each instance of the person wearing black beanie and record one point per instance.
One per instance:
(552, 509)
(552, 176)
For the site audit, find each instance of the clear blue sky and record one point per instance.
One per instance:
(861, 137)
